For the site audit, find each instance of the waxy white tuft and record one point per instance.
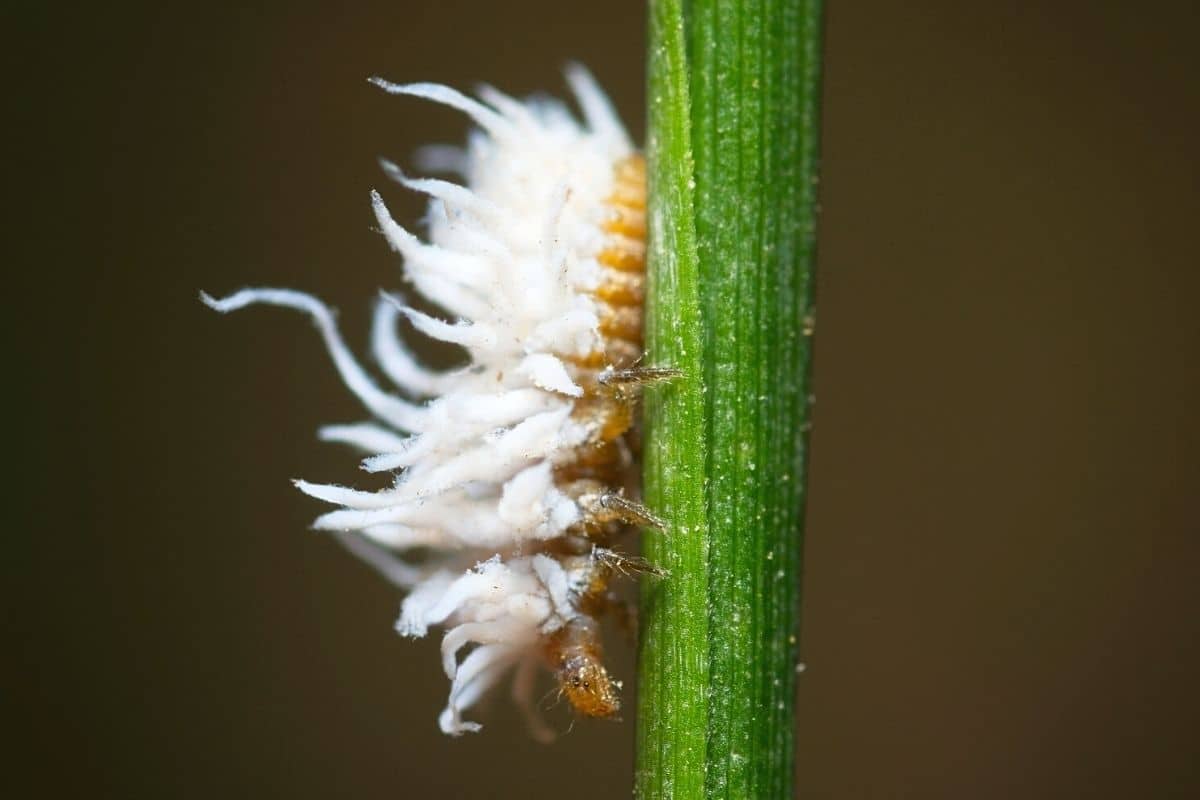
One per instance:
(510, 258)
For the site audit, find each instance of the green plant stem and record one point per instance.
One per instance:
(755, 101)
(673, 656)
(753, 114)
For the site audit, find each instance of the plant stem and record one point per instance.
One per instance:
(755, 125)
(755, 73)
(673, 657)
(747, 257)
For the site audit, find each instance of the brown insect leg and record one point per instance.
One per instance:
(639, 376)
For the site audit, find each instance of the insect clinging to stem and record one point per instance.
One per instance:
(517, 474)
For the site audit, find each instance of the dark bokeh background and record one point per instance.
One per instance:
(1002, 534)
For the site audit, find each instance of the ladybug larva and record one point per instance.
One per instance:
(517, 472)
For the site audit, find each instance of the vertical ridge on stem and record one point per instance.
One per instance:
(673, 656)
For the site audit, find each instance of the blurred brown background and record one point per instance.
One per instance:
(1002, 551)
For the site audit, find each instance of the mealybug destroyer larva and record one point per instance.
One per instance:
(516, 472)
